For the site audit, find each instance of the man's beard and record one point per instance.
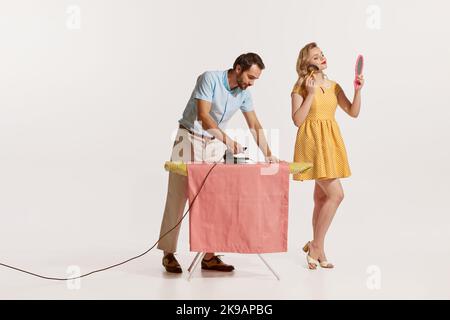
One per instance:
(241, 84)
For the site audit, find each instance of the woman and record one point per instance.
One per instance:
(319, 141)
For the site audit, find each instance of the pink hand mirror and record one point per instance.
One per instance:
(358, 71)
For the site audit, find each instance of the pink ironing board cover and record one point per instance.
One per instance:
(241, 208)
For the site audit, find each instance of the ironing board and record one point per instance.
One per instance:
(182, 169)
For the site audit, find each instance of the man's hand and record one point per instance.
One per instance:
(235, 147)
(272, 159)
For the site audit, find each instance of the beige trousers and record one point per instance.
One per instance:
(187, 148)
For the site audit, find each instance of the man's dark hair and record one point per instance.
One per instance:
(246, 60)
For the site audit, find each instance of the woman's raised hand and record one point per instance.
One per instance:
(310, 85)
(359, 82)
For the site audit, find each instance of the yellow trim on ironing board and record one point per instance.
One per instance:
(181, 167)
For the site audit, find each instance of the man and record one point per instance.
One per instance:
(200, 137)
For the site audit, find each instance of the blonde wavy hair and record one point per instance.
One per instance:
(302, 66)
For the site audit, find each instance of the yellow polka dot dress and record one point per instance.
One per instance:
(319, 139)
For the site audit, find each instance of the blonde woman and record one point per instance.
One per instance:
(319, 141)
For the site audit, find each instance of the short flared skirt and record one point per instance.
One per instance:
(320, 143)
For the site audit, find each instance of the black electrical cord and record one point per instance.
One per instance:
(121, 263)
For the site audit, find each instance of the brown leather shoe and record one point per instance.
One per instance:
(171, 264)
(215, 263)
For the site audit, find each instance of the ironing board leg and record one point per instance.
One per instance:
(196, 260)
(193, 261)
(270, 268)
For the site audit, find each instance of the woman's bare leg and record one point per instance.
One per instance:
(319, 199)
(334, 196)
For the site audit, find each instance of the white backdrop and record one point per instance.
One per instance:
(91, 91)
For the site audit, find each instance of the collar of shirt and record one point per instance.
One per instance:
(236, 90)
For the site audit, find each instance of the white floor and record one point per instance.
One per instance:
(383, 246)
(379, 275)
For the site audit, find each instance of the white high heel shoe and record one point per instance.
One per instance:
(311, 261)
